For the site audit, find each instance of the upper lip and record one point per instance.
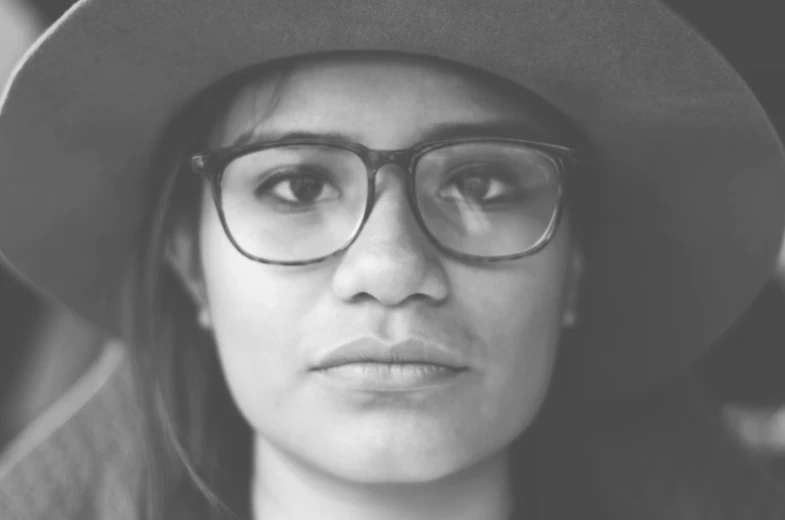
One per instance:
(374, 351)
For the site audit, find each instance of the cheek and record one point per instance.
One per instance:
(259, 315)
(516, 313)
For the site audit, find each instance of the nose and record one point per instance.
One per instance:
(391, 261)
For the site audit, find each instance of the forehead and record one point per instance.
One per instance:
(380, 102)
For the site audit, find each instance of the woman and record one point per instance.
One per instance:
(402, 260)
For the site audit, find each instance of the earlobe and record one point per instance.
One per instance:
(182, 256)
(204, 319)
(191, 281)
(574, 277)
(569, 319)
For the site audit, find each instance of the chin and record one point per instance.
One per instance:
(401, 457)
(409, 470)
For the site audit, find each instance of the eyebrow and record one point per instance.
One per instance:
(442, 132)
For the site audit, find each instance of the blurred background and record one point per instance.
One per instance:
(44, 349)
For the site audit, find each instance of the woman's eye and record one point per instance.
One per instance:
(297, 188)
(478, 185)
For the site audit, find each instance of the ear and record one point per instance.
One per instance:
(574, 277)
(182, 255)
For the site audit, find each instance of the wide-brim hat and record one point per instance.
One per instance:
(688, 175)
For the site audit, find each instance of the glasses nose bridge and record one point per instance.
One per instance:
(377, 159)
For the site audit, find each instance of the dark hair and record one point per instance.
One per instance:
(199, 444)
(666, 456)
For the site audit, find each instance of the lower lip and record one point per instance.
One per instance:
(391, 376)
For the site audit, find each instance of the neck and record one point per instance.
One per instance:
(288, 489)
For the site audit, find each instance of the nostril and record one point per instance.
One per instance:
(364, 297)
(392, 300)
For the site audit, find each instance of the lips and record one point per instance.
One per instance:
(371, 367)
(409, 352)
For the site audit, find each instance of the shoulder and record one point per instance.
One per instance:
(82, 457)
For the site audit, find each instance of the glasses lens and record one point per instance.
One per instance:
(487, 199)
(294, 203)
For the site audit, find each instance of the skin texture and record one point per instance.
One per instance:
(432, 453)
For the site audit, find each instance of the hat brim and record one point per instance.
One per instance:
(688, 177)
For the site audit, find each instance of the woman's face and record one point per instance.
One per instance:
(499, 323)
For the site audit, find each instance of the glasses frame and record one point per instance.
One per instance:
(212, 166)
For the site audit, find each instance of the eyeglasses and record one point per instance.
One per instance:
(300, 202)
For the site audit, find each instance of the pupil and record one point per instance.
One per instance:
(306, 189)
(476, 187)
